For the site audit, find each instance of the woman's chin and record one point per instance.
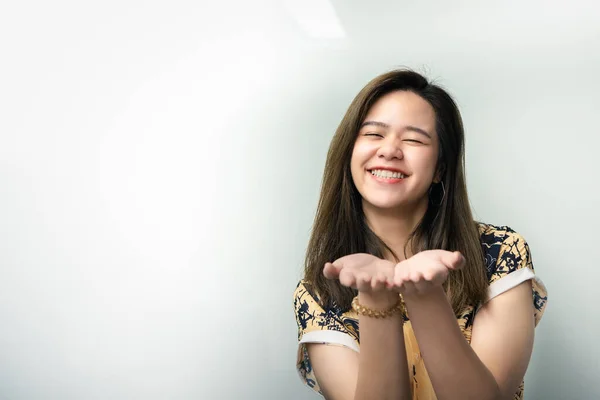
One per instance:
(390, 205)
(386, 205)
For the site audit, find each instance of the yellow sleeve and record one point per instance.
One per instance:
(317, 325)
(514, 266)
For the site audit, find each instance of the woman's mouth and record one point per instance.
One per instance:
(386, 174)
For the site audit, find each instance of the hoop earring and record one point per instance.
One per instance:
(443, 195)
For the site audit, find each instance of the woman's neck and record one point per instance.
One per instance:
(394, 226)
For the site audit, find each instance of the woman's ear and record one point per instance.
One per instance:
(437, 178)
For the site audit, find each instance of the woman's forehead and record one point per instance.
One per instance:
(402, 108)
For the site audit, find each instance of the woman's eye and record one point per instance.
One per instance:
(413, 141)
(374, 134)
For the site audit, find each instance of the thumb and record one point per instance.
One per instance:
(332, 271)
(453, 260)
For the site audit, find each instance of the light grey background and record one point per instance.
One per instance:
(161, 161)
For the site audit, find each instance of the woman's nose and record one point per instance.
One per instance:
(390, 150)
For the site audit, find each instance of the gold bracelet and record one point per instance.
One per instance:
(368, 312)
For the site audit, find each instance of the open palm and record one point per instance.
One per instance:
(361, 271)
(425, 270)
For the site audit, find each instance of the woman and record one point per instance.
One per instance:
(446, 307)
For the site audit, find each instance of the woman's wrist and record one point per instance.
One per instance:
(433, 294)
(382, 300)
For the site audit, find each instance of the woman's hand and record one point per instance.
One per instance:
(425, 270)
(361, 271)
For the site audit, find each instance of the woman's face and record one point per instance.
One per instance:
(395, 155)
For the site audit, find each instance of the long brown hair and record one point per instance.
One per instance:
(340, 228)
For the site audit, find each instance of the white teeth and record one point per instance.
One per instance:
(382, 173)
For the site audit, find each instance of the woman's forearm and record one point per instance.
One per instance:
(383, 367)
(455, 370)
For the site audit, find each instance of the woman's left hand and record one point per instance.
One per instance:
(425, 270)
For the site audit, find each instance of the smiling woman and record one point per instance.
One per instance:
(396, 128)
(446, 306)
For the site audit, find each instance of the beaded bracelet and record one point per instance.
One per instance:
(368, 312)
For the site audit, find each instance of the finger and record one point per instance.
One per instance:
(363, 282)
(415, 276)
(453, 260)
(339, 263)
(400, 273)
(436, 274)
(331, 271)
(347, 278)
(351, 260)
(378, 282)
(400, 280)
(385, 278)
(430, 274)
(399, 288)
(390, 283)
(393, 282)
(439, 277)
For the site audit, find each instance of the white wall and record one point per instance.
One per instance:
(160, 166)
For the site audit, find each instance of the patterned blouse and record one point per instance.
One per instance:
(508, 262)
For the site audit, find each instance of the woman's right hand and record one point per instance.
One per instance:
(370, 275)
(361, 271)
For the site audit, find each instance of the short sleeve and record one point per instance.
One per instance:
(317, 325)
(514, 266)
